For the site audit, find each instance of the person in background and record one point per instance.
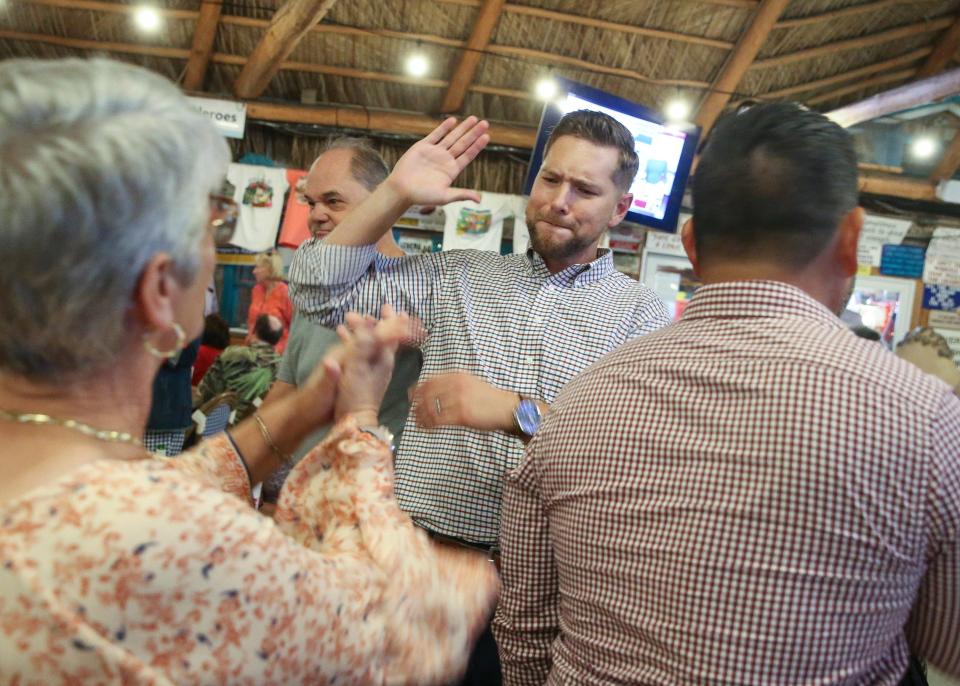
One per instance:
(505, 333)
(171, 407)
(120, 568)
(752, 495)
(270, 295)
(215, 339)
(246, 370)
(930, 351)
(342, 176)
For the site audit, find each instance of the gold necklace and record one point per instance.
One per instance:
(85, 429)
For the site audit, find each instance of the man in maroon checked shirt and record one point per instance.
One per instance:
(752, 495)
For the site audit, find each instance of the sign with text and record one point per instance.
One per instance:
(229, 117)
(902, 260)
(877, 232)
(943, 258)
(667, 243)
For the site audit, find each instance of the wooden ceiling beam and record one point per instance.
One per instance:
(742, 4)
(921, 92)
(469, 58)
(113, 7)
(202, 48)
(834, 15)
(892, 77)
(944, 50)
(578, 20)
(949, 163)
(900, 61)
(853, 43)
(552, 59)
(738, 62)
(288, 26)
(97, 45)
(897, 186)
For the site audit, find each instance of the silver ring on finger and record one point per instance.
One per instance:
(436, 404)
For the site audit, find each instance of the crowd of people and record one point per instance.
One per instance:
(485, 469)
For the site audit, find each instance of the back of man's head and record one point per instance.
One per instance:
(367, 165)
(601, 129)
(268, 329)
(773, 183)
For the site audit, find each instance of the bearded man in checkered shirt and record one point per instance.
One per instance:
(505, 333)
(752, 495)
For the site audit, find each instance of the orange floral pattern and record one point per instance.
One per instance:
(160, 572)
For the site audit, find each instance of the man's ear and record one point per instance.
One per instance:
(620, 211)
(690, 245)
(848, 238)
(153, 293)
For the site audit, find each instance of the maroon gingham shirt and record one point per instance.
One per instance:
(752, 495)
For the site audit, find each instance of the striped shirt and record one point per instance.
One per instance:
(753, 495)
(505, 319)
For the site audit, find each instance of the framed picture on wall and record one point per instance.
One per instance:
(885, 304)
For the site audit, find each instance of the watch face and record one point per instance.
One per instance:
(528, 417)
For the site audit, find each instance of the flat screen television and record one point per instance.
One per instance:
(665, 151)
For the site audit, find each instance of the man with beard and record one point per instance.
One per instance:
(505, 333)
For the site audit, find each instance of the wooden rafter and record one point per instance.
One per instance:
(949, 163)
(96, 45)
(287, 28)
(202, 47)
(739, 61)
(834, 15)
(900, 61)
(913, 94)
(943, 51)
(853, 43)
(898, 186)
(742, 4)
(540, 13)
(469, 60)
(891, 77)
(550, 58)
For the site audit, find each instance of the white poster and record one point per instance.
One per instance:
(952, 337)
(668, 243)
(228, 116)
(877, 232)
(942, 264)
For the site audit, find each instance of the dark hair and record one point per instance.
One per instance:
(367, 165)
(266, 331)
(774, 181)
(601, 129)
(865, 332)
(216, 332)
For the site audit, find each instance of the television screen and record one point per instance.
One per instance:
(665, 151)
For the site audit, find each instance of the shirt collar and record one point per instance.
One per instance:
(755, 299)
(577, 274)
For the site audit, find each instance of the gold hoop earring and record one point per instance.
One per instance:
(166, 354)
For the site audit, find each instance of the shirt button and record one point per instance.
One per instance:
(530, 360)
(538, 319)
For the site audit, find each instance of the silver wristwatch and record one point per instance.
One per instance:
(526, 417)
(381, 433)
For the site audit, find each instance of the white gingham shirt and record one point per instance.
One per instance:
(506, 319)
(753, 495)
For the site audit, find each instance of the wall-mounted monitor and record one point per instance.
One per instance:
(666, 151)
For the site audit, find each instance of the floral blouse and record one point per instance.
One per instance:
(160, 572)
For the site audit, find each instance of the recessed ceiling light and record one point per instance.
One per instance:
(417, 65)
(147, 18)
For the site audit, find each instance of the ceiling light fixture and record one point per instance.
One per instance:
(678, 110)
(923, 148)
(546, 89)
(147, 18)
(417, 65)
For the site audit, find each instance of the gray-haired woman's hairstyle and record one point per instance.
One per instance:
(102, 165)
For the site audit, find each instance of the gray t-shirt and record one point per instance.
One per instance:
(307, 345)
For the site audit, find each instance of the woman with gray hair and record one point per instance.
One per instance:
(116, 567)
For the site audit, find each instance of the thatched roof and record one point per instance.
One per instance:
(822, 52)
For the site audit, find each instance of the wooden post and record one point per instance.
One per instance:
(202, 48)
(739, 61)
(911, 95)
(470, 57)
(287, 28)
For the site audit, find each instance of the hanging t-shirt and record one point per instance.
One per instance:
(469, 225)
(259, 192)
(296, 218)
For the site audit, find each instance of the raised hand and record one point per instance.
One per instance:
(425, 173)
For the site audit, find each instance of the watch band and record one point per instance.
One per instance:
(526, 417)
